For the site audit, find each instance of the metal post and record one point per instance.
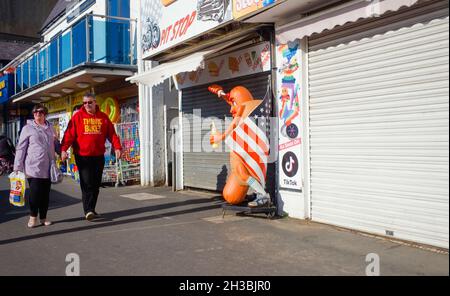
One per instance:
(47, 63)
(58, 62)
(273, 87)
(71, 47)
(87, 39)
(174, 162)
(132, 29)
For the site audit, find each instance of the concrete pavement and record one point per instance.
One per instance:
(158, 232)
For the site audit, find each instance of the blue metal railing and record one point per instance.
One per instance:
(92, 39)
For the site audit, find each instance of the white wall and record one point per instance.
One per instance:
(134, 9)
(98, 8)
(152, 134)
(294, 201)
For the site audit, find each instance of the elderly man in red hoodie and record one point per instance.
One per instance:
(87, 133)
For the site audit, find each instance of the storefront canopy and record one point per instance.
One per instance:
(190, 63)
(338, 16)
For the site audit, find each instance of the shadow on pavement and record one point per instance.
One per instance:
(135, 211)
(9, 212)
(114, 215)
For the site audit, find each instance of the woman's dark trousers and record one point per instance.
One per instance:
(39, 197)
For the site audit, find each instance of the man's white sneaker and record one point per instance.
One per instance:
(90, 216)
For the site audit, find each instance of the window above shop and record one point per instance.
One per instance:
(120, 8)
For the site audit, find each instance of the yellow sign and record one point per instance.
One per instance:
(69, 102)
(111, 108)
(57, 105)
(2, 86)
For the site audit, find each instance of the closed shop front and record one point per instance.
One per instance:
(202, 167)
(379, 125)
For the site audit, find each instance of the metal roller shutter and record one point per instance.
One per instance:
(379, 126)
(206, 170)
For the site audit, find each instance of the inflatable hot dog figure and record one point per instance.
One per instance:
(249, 147)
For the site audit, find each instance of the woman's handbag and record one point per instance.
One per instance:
(56, 175)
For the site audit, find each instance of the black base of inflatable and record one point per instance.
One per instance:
(269, 210)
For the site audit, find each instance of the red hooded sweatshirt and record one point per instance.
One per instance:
(87, 134)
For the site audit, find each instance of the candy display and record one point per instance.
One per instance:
(130, 164)
(130, 141)
(110, 170)
(128, 168)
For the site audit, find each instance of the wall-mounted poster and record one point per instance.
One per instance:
(289, 116)
(166, 23)
(242, 8)
(243, 62)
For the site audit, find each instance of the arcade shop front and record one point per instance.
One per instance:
(122, 109)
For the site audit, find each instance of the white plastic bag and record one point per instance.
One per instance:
(17, 189)
(56, 175)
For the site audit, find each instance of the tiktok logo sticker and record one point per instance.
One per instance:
(290, 164)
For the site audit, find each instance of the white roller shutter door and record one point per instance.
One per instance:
(379, 126)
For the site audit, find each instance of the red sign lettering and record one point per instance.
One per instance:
(179, 29)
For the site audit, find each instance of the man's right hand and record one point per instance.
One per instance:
(64, 156)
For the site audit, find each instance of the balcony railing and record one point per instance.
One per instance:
(92, 39)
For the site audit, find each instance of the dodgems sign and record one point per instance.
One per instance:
(167, 23)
